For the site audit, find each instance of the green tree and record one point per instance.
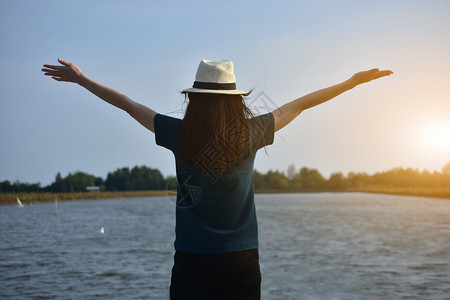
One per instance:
(6, 187)
(58, 185)
(76, 182)
(139, 178)
(290, 172)
(118, 180)
(311, 179)
(337, 181)
(358, 180)
(276, 180)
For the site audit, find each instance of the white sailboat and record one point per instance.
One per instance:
(19, 202)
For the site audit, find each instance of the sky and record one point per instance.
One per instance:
(150, 50)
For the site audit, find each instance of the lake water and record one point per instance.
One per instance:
(312, 246)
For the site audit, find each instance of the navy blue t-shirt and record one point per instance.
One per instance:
(215, 213)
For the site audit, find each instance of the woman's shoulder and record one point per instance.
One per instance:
(164, 121)
(262, 120)
(167, 118)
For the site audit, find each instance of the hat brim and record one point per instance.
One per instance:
(223, 92)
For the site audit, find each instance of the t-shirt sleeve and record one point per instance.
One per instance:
(166, 131)
(263, 130)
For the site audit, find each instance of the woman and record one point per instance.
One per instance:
(214, 147)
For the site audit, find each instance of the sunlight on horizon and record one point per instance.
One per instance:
(436, 137)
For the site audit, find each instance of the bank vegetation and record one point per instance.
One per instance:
(142, 181)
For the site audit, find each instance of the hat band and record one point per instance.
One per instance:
(214, 85)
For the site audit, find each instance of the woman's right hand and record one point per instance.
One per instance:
(67, 72)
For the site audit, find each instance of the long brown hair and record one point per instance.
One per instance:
(215, 132)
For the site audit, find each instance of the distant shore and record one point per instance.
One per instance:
(443, 193)
(35, 198)
(28, 198)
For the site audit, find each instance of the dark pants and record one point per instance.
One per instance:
(234, 275)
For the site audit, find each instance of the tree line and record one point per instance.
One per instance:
(306, 179)
(141, 178)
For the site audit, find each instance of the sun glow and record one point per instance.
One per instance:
(437, 137)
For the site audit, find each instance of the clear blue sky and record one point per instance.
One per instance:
(150, 50)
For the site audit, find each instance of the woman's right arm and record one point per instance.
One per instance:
(70, 72)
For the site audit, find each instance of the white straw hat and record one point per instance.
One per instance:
(215, 77)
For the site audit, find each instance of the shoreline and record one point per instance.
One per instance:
(36, 198)
(442, 193)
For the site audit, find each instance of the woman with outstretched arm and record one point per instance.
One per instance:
(216, 237)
